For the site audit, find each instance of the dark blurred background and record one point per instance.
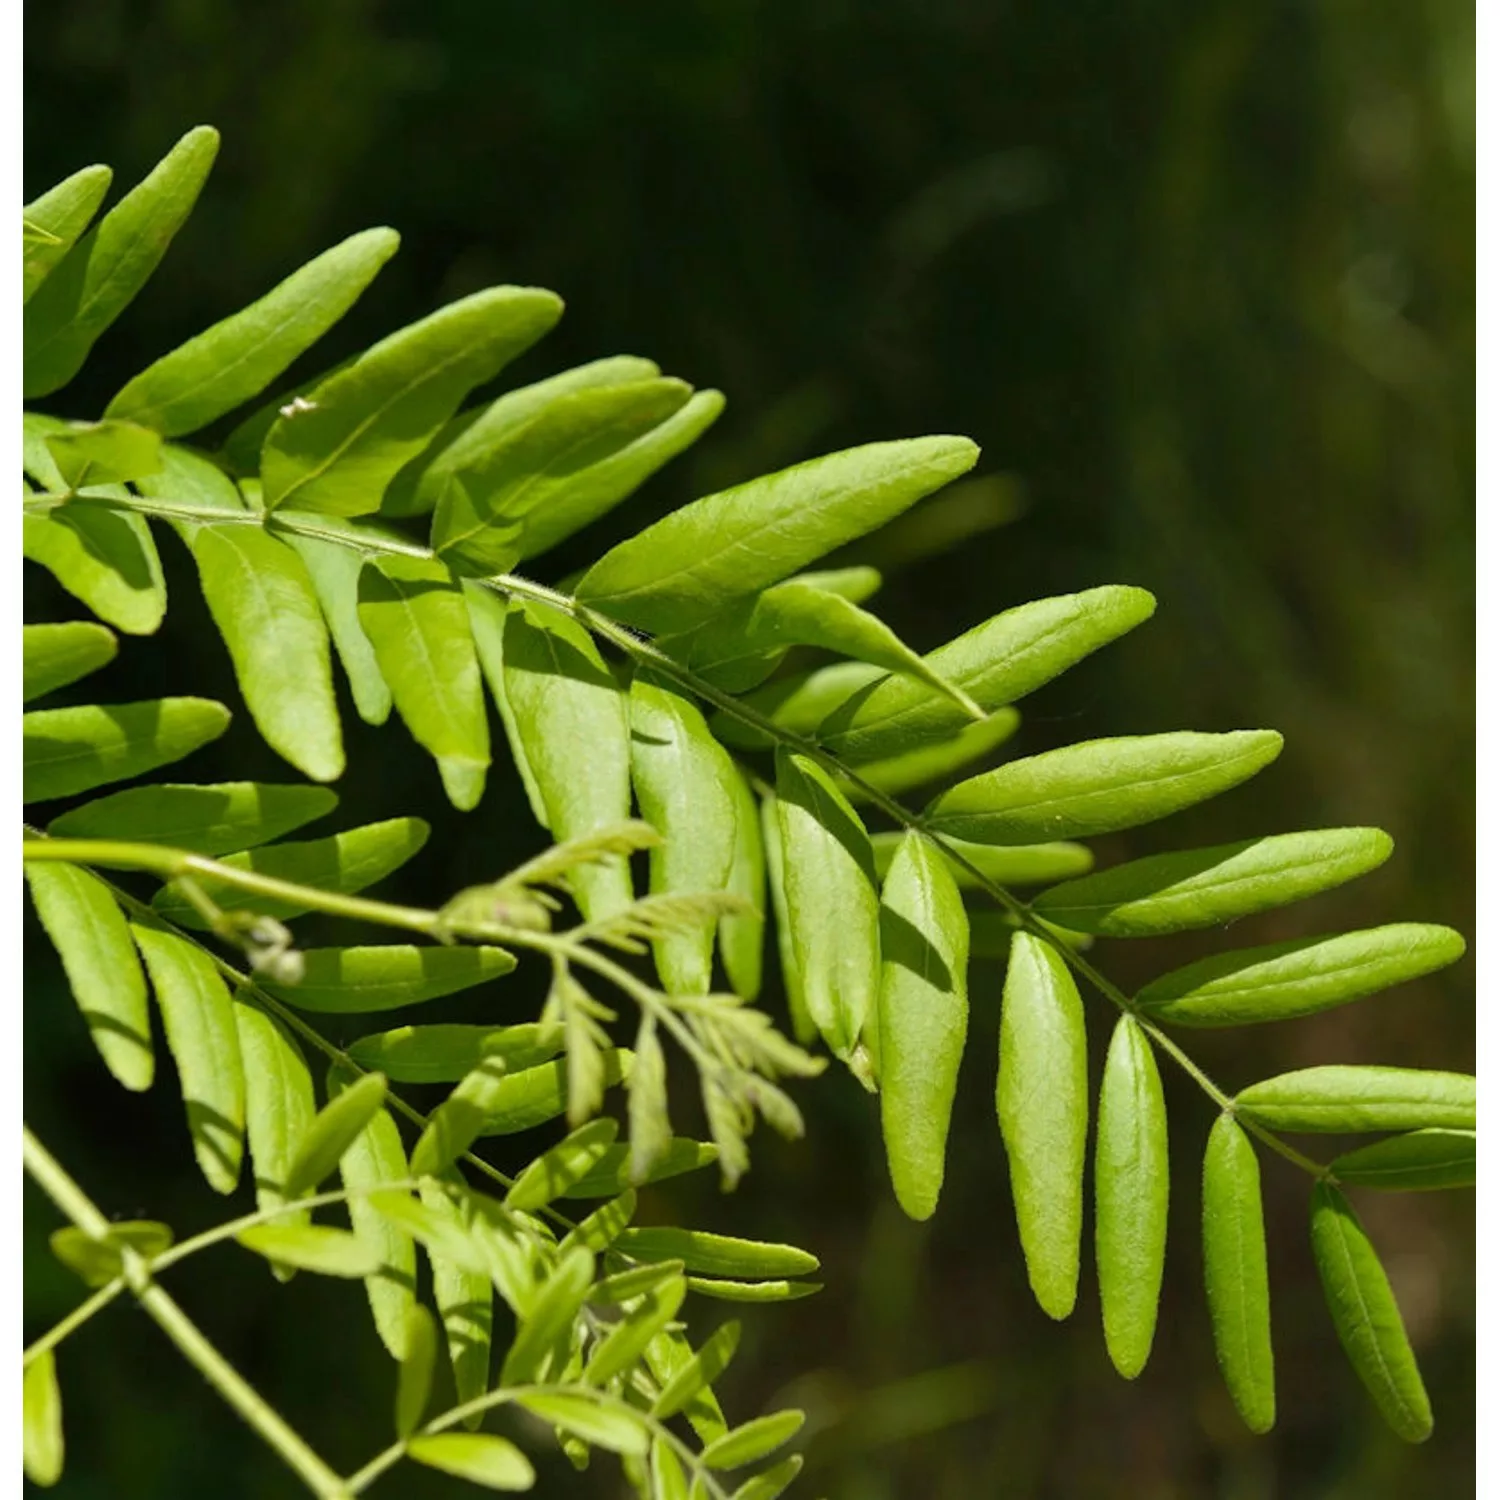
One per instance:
(1199, 278)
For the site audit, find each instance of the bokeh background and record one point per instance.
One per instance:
(1199, 277)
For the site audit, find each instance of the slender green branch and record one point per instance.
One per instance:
(74, 1320)
(76, 1205)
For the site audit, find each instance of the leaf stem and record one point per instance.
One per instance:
(76, 1205)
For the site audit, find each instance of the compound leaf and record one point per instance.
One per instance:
(753, 1440)
(479, 1457)
(552, 1312)
(1420, 1160)
(559, 1167)
(533, 1096)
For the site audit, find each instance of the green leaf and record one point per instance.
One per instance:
(99, 1261)
(198, 1017)
(716, 1254)
(207, 820)
(237, 358)
(738, 647)
(771, 1482)
(626, 1286)
(373, 1157)
(387, 976)
(93, 940)
(1205, 887)
(433, 1224)
(1299, 978)
(102, 273)
(531, 1097)
(465, 1298)
(995, 664)
(334, 570)
(681, 571)
(923, 1018)
(488, 613)
(611, 1173)
(89, 453)
(557, 1169)
(752, 1291)
(898, 774)
(1099, 786)
(1030, 864)
(685, 785)
(745, 1444)
(338, 450)
(68, 750)
(415, 491)
(613, 1427)
(487, 497)
(602, 1227)
(572, 725)
(692, 1374)
(42, 1423)
(262, 601)
(742, 933)
(603, 485)
(454, 1124)
(1342, 1099)
(332, 1132)
(1366, 1317)
(278, 1101)
(1041, 1097)
(55, 655)
(345, 863)
(57, 218)
(311, 1247)
(1234, 1273)
(798, 703)
(668, 1482)
(796, 1002)
(413, 613)
(491, 1462)
(833, 908)
(1131, 1182)
(103, 558)
(627, 1340)
(414, 1381)
(445, 1053)
(1424, 1159)
(551, 1315)
(185, 476)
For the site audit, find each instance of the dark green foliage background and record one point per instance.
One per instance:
(1199, 277)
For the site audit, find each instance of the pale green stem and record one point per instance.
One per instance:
(170, 1318)
(74, 1320)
